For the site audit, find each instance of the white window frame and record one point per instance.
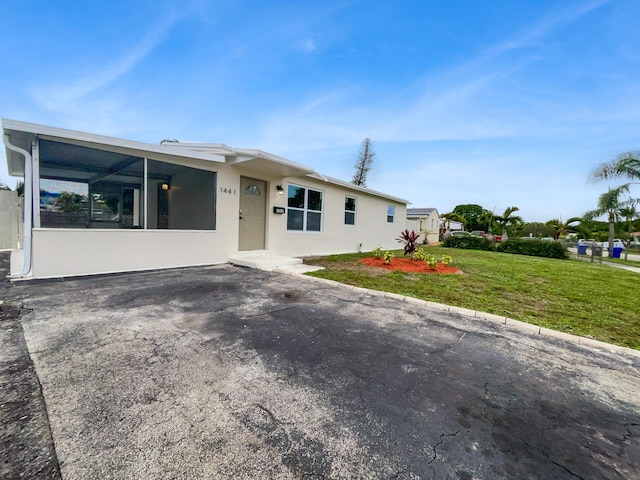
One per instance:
(305, 210)
(355, 206)
(391, 213)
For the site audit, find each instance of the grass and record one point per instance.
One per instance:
(582, 298)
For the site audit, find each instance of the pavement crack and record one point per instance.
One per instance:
(548, 457)
(447, 347)
(440, 442)
(271, 415)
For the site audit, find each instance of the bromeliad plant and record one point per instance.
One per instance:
(387, 256)
(377, 252)
(410, 241)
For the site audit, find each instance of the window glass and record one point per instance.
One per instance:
(295, 219)
(314, 221)
(64, 203)
(315, 200)
(349, 211)
(349, 218)
(391, 211)
(105, 202)
(295, 196)
(304, 212)
(106, 189)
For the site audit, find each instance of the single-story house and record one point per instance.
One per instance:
(96, 204)
(424, 221)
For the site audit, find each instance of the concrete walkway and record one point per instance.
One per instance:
(603, 260)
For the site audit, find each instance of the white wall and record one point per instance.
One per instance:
(371, 228)
(61, 252)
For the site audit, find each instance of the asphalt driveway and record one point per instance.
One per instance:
(225, 372)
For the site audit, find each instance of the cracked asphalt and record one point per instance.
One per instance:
(225, 372)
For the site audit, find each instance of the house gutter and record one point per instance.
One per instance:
(28, 206)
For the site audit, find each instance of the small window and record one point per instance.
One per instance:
(304, 212)
(391, 211)
(349, 211)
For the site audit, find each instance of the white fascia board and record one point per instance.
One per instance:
(357, 188)
(141, 149)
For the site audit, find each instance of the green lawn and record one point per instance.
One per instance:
(572, 296)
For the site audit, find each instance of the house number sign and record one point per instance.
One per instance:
(230, 191)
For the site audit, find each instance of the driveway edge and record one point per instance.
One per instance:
(512, 324)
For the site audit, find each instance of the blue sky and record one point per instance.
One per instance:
(497, 102)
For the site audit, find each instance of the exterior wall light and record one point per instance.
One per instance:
(165, 186)
(279, 190)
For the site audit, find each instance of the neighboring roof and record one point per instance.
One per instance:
(420, 212)
(22, 134)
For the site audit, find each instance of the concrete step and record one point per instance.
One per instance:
(263, 260)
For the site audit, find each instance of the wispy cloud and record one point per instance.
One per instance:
(462, 102)
(64, 93)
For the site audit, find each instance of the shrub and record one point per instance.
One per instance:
(469, 242)
(421, 254)
(446, 260)
(377, 252)
(432, 262)
(534, 248)
(410, 241)
(387, 256)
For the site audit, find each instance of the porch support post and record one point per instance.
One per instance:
(35, 173)
(145, 214)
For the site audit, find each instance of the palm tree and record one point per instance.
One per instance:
(560, 227)
(626, 165)
(486, 218)
(453, 217)
(508, 221)
(610, 203)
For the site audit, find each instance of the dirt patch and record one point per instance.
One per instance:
(409, 265)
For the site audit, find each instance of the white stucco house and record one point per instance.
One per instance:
(96, 204)
(424, 221)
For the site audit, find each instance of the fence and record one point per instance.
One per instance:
(11, 220)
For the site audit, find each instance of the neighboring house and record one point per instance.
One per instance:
(96, 204)
(448, 226)
(425, 221)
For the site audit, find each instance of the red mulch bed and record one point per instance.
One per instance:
(409, 265)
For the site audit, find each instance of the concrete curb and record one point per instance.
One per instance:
(594, 345)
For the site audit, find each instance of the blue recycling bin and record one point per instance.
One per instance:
(582, 249)
(616, 252)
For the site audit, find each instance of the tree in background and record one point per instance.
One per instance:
(366, 155)
(472, 214)
(4, 186)
(20, 188)
(509, 222)
(610, 203)
(561, 228)
(626, 165)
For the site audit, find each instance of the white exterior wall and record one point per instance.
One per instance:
(59, 252)
(371, 228)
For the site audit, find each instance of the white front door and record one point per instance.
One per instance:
(253, 205)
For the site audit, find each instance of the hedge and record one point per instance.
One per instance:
(469, 242)
(534, 248)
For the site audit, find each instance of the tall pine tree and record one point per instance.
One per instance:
(364, 162)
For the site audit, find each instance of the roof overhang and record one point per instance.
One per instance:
(357, 188)
(252, 159)
(22, 134)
